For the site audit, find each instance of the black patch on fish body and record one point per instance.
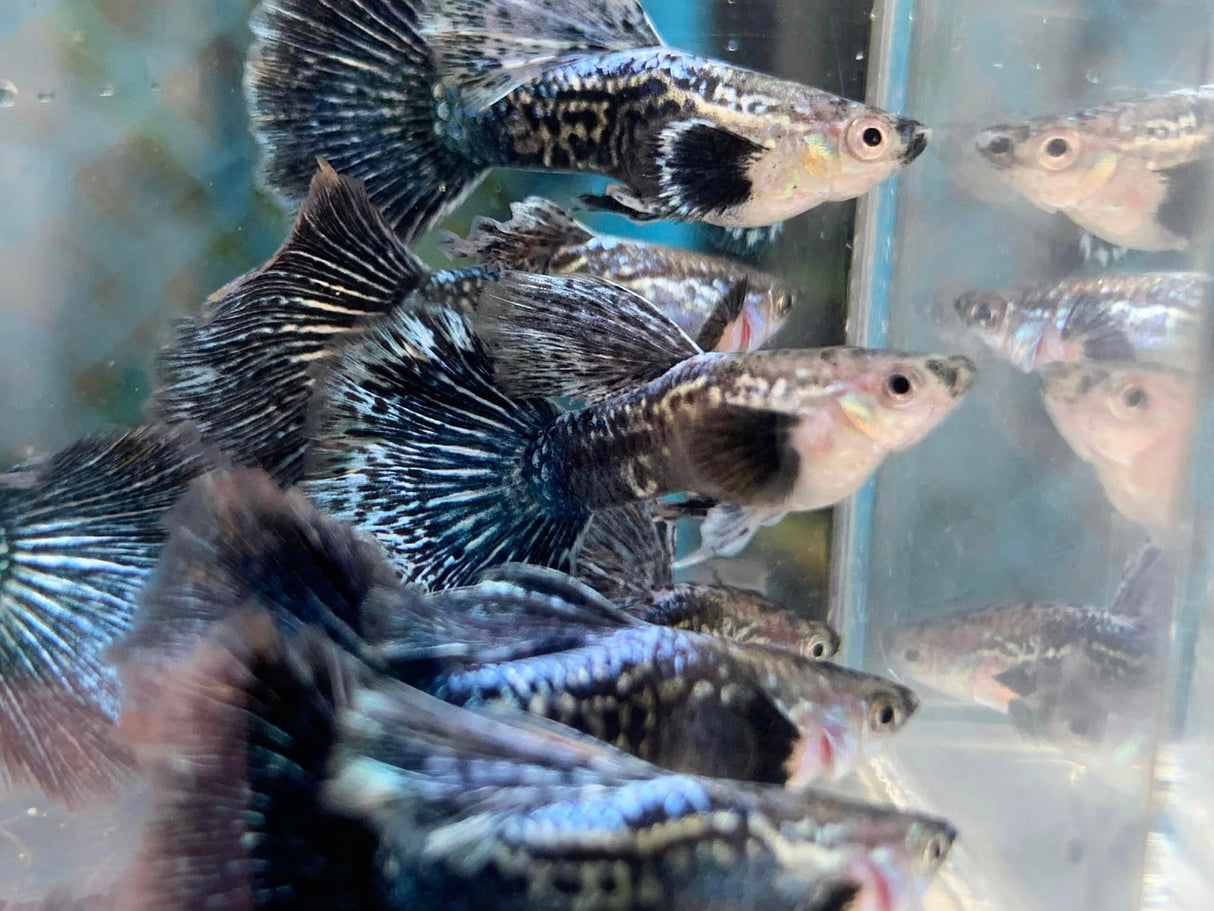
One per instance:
(744, 454)
(1183, 210)
(708, 167)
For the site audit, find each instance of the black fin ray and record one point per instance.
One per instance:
(703, 168)
(486, 50)
(577, 336)
(237, 748)
(625, 552)
(1021, 679)
(1182, 211)
(416, 444)
(237, 541)
(79, 533)
(352, 81)
(536, 230)
(240, 371)
(745, 453)
(619, 201)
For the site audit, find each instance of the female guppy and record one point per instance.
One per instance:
(421, 97)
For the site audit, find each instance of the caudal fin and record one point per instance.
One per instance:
(239, 371)
(538, 228)
(237, 748)
(79, 533)
(353, 82)
(414, 443)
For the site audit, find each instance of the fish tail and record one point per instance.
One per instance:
(353, 81)
(79, 532)
(236, 750)
(241, 370)
(237, 541)
(537, 229)
(414, 443)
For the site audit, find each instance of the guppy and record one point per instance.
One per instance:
(1155, 317)
(80, 530)
(528, 637)
(1132, 173)
(1132, 424)
(1066, 673)
(456, 460)
(721, 304)
(422, 97)
(322, 785)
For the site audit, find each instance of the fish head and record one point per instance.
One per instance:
(1058, 163)
(765, 306)
(861, 147)
(895, 399)
(748, 616)
(894, 877)
(1005, 328)
(1116, 414)
(949, 655)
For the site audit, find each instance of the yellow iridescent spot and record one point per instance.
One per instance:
(857, 411)
(1100, 172)
(815, 155)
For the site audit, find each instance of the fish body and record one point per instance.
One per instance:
(1127, 172)
(1154, 317)
(723, 305)
(448, 89)
(368, 793)
(419, 401)
(1132, 424)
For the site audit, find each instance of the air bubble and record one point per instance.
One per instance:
(8, 94)
(46, 97)
(859, 55)
(107, 90)
(1091, 78)
(732, 44)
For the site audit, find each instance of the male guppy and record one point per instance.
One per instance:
(1155, 317)
(79, 532)
(287, 776)
(720, 303)
(1133, 173)
(531, 638)
(421, 97)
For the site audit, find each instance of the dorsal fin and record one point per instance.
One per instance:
(537, 229)
(575, 336)
(486, 50)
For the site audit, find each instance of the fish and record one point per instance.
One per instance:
(420, 98)
(1072, 675)
(534, 639)
(286, 775)
(443, 441)
(1132, 424)
(722, 304)
(80, 530)
(1129, 172)
(1155, 317)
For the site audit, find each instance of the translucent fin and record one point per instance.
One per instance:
(352, 81)
(726, 531)
(240, 370)
(417, 445)
(1146, 587)
(625, 552)
(236, 541)
(576, 336)
(237, 751)
(79, 533)
(486, 50)
(537, 229)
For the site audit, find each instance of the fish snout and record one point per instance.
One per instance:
(996, 146)
(914, 137)
(956, 373)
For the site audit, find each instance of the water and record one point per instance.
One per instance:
(131, 197)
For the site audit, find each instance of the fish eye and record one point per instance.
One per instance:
(912, 655)
(936, 849)
(986, 313)
(1131, 402)
(816, 648)
(999, 145)
(900, 387)
(1058, 150)
(1133, 396)
(883, 715)
(866, 138)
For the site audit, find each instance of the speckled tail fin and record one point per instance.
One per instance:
(79, 533)
(487, 49)
(415, 443)
(240, 370)
(536, 230)
(237, 752)
(353, 82)
(237, 541)
(576, 336)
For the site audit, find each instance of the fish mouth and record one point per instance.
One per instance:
(996, 146)
(915, 136)
(955, 373)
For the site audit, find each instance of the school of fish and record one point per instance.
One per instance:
(382, 607)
